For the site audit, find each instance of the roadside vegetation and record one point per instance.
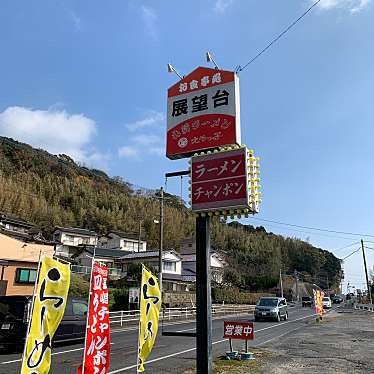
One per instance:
(51, 191)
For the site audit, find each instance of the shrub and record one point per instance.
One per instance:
(78, 286)
(235, 296)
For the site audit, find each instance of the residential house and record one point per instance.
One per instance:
(109, 257)
(188, 255)
(19, 264)
(12, 223)
(69, 240)
(172, 279)
(16, 227)
(125, 241)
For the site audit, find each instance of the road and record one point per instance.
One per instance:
(170, 354)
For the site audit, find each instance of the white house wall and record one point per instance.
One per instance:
(75, 240)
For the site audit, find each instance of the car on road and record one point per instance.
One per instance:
(337, 299)
(306, 301)
(326, 302)
(14, 317)
(271, 308)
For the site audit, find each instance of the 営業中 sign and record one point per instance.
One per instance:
(238, 330)
(203, 112)
(224, 180)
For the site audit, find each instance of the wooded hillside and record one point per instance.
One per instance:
(53, 191)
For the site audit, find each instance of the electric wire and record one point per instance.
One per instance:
(269, 45)
(352, 253)
(310, 232)
(371, 248)
(346, 246)
(314, 228)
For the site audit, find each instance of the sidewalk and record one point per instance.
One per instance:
(342, 343)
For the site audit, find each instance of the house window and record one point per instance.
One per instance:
(25, 275)
(169, 266)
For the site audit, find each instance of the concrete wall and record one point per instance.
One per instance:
(174, 299)
(14, 288)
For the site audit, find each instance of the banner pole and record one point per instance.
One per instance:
(140, 305)
(32, 307)
(88, 309)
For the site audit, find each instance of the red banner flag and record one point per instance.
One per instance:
(97, 345)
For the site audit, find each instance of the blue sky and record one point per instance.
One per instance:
(89, 79)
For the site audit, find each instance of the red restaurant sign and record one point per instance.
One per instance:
(220, 181)
(238, 330)
(97, 347)
(203, 112)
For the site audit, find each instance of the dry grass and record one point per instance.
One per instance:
(224, 366)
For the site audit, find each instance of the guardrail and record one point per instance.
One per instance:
(368, 307)
(167, 314)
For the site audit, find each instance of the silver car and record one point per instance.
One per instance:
(271, 308)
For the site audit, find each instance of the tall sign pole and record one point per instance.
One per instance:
(203, 122)
(161, 239)
(203, 297)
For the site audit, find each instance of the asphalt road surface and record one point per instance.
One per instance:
(170, 354)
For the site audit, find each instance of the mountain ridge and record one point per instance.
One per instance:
(51, 190)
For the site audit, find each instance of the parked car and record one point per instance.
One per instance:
(326, 302)
(14, 316)
(306, 301)
(271, 308)
(337, 299)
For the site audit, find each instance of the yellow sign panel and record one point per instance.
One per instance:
(150, 305)
(49, 306)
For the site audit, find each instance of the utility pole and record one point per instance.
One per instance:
(161, 239)
(280, 281)
(140, 233)
(366, 272)
(297, 285)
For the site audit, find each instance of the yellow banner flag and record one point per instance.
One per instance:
(49, 306)
(150, 305)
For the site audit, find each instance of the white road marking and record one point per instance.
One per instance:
(186, 322)
(53, 354)
(115, 331)
(163, 357)
(214, 343)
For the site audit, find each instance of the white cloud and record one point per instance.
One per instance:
(153, 119)
(128, 151)
(147, 137)
(149, 18)
(54, 130)
(220, 6)
(352, 6)
(156, 151)
(76, 20)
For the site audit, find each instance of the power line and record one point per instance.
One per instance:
(278, 37)
(314, 228)
(346, 246)
(313, 233)
(352, 253)
(369, 247)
